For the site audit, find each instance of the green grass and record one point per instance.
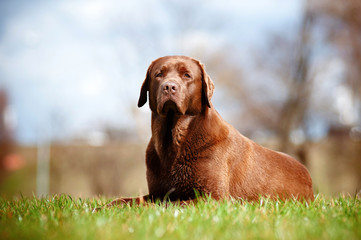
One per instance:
(61, 217)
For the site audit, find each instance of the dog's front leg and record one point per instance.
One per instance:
(125, 201)
(129, 201)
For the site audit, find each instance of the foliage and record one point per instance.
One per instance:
(62, 217)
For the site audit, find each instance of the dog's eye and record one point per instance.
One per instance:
(160, 74)
(187, 75)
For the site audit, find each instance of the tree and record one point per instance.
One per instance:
(341, 21)
(6, 138)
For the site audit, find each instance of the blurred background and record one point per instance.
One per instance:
(287, 75)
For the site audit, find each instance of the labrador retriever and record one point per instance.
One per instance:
(192, 149)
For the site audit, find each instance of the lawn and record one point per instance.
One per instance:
(61, 217)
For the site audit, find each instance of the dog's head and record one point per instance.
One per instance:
(176, 83)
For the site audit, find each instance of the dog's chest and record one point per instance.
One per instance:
(182, 181)
(173, 170)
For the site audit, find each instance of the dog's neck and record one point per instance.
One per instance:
(171, 135)
(171, 130)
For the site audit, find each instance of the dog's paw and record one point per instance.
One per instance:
(97, 209)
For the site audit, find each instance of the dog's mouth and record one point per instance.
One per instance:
(170, 107)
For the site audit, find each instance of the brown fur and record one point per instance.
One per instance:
(193, 148)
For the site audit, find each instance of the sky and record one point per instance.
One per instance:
(73, 67)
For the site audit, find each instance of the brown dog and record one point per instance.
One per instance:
(193, 148)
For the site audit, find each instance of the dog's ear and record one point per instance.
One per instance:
(207, 85)
(145, 88)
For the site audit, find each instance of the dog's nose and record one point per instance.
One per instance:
(169, 87)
